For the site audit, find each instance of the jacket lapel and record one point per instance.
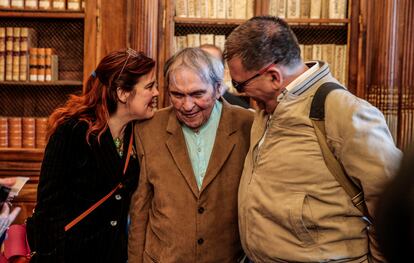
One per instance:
(223, 145)
(178, 149)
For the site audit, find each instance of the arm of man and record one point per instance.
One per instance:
(139, 209)
(361, 139)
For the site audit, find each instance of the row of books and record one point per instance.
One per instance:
(334, 55)
(230, 9)
(20, 60)
(26, 132)
(196, 40)
(71, 5)
(315, 9)
(43, 64)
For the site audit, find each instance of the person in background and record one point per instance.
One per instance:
(395, 215)
(84, 160)
(191, 154)
(291, 208)
(229, 97)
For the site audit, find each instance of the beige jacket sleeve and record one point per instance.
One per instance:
(361, 140)
(139, 209)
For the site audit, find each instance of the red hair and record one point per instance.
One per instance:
(119, 69)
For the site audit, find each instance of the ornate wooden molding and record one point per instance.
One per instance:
(144, 23)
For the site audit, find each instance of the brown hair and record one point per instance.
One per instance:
(262, 40)
(119, 69)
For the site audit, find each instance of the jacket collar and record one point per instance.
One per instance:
(223, 145)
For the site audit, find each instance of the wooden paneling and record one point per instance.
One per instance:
(405, 56)
(386, 63)
(113, 26)
(90, 55)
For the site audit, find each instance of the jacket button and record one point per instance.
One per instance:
(118, 197)
(114, 223)
(200, 241)
(201, 210)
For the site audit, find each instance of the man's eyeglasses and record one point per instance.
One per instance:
(131, 53)
(240, 86)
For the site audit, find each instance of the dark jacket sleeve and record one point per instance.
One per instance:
(45, 228)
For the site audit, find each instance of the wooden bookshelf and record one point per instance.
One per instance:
(190, 21)
(41, 84)
(25, 13)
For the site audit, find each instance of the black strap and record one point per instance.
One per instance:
(317, 115)
(317, 111)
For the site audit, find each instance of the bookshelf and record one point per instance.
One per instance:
(325, 31)
(65, 32)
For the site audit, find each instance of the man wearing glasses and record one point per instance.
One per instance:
(291, 208)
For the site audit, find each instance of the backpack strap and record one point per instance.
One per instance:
(317, 116)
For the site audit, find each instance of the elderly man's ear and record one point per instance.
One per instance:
(219, 88)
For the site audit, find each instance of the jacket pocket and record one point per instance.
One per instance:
(300, 217)
(153, 246)
(149, 258)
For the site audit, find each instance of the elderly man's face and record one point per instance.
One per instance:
(192, 99)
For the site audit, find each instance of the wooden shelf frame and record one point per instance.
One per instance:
(190, 21)
(43, 83)
(21, 154)
(55, 14)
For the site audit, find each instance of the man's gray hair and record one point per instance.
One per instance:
(208, 68)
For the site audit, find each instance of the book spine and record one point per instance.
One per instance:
(31, 4)
(74, 5)
(41, 63)
(206, 39)
(229, 9)
(24, 65)
(28, 133)
(5, 3)
(9, 54)
(219, 41)
(59, 4)
(33, 64)
(4, 132)
(212, 8)
(250, 9)
(17, 4)
(2, 53)
(221, 8)
(181, 8)
(240, 9)
(197, 8)
(305, 8)
(16, 53)
(204, 8)
(45, 4)
(15, 132)
(40, 132)
(55, 67)
(48, 64)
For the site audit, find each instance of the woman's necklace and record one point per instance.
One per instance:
(119, 145)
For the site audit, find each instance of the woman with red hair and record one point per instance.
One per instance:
(88, 156)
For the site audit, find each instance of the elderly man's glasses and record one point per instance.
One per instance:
(131, 53)
(241, 86)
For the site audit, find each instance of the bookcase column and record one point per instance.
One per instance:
(144, 26)
(386, 77)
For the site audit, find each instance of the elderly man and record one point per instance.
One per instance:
(191, 154)
(291, 208)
